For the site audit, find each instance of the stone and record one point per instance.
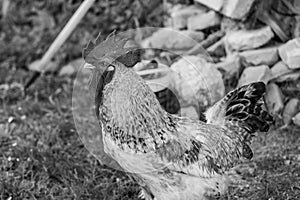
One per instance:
(203, 21)
(265, 56)
(157, 75)
(213, 4)
(296, 119)
(282, 73)
(229, 24)
(280, 69)
(217, 49)
(274, 99)
(169, 39)
(248, 39)
(278, 23)
(180, 14)
(290, 110)
(237, 9)
(287, 162)
(292, 76)
(3, 130)
(230, 68)
(296, 32)
(246, 168)
(71, 68)
(290, 53)
(296, 5)
(197, 82)
(256, 73)
(189, 112)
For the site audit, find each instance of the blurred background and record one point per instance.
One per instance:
(234, 43)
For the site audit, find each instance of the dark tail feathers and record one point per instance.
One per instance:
(245, 107)
(241, 111)
(245, 114)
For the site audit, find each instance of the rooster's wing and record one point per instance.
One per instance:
(208, 149)
(200, 149)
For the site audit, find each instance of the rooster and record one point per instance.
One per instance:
(171, 157)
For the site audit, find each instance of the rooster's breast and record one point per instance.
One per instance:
(163, 183)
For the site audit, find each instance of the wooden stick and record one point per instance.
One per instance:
(211, 39)
(59, 40)
(152, 71)
(5, 7)
(65, 33)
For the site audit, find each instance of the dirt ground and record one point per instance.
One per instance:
(41, 155)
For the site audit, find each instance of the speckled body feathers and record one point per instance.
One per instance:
(172, 157)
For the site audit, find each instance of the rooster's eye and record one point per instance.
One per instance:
(108, 74)
(110, 68)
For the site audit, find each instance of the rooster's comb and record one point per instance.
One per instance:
(114, 47)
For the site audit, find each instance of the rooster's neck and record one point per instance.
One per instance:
(133, 114)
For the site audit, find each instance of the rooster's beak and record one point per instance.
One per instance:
(88, 66)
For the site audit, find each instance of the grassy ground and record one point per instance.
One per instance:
(41, 155)
(274, 172)
(43, 158)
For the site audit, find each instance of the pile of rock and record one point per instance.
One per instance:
(232, 43)
(246, 51)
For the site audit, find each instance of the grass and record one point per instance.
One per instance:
(274, 172)
(42, 156)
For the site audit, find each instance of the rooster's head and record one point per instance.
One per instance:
(116, 88)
